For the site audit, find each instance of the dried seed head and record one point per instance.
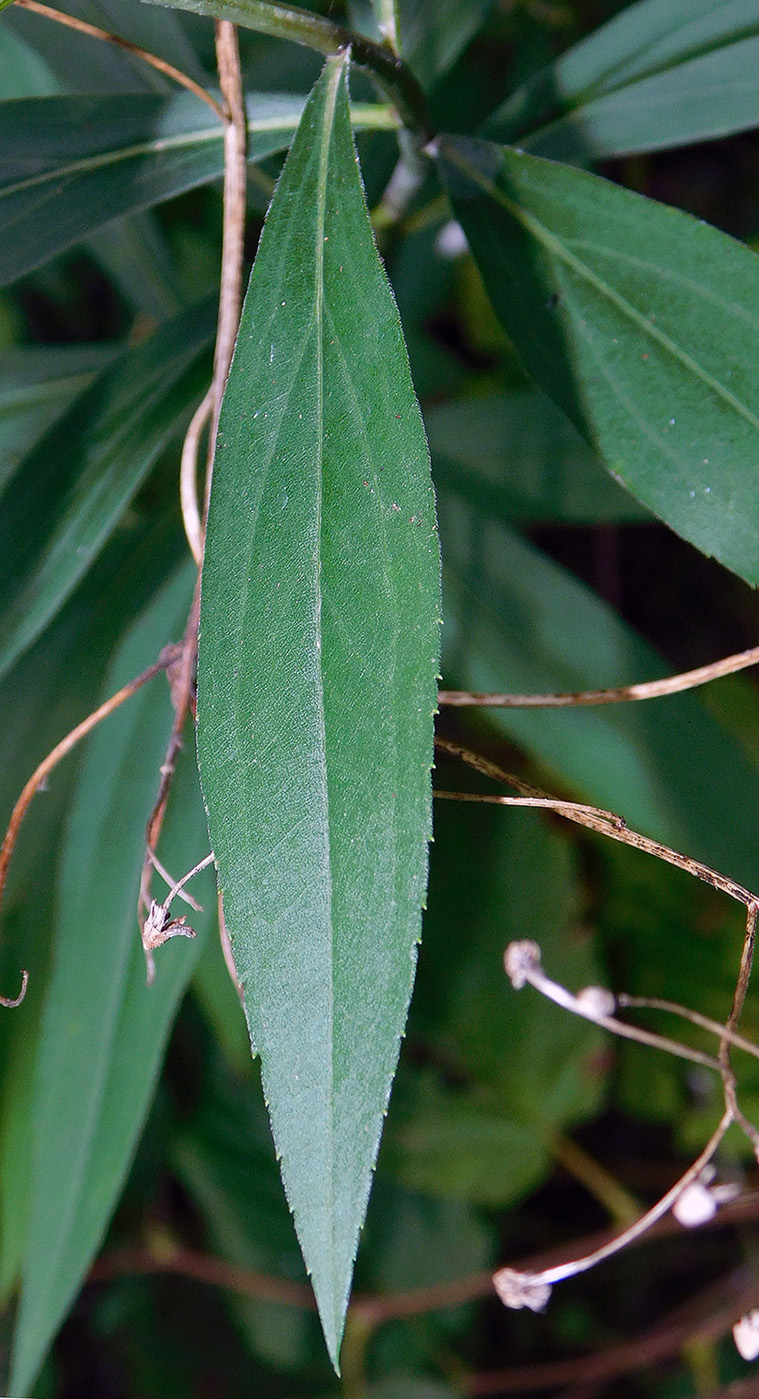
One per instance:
(520, 960)
(596, 1002)
(746, 1335)
(517, 1289)
(160, 926)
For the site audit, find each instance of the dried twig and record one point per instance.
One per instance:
(235, 131)
(649, 689)
(43, 770)
(606, 823)
(95, 32)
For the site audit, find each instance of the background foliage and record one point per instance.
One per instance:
(511, 1128)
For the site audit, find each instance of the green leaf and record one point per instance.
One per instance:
(518, 455)
(640, 322)
(84, 64)
(71, 164)
(659, 74)
(103, 1029)
(318, 657)
(433, 33)
(516, 621)
(69, 493)
(37, 382)
(716, 94)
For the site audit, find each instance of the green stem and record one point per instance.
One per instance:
(302, 27)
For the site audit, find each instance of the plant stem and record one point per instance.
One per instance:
(328, 38)
(649, 689)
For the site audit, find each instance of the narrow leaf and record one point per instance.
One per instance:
(71, 164)
(659, 74)
(67, 495)
(433, 33)
(319, 639)
(639, 320)
(103, 1029)
(37, 382)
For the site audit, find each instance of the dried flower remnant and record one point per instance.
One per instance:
(746, 1335)
(518, 1290)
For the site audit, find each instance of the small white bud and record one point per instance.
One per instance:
(520, 959)
(517, 1289)
(746, 1335)
(596, 1002)
(695, 1206)
(451, 241)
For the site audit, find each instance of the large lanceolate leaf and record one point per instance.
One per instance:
(103, 1029)
(640, 322)
(318, 657)
(70, 491)
(71, 164)
(660, 74)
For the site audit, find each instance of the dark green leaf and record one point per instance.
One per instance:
(80, 63)
(640, 322)
(659, 74)
(70, 164)
(68, 494)
(522, 460)
(103, 1029)
(319, 635)
(710, 96)
(36, 384)
(432, 33)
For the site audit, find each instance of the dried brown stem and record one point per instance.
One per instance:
(233, 237)
(649, 689)
(728, 1073)
(95, 32)
(167, 657)
(230, 297)
(604, 822)
(200, 1266)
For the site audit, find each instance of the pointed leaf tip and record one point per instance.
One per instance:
(318, 655)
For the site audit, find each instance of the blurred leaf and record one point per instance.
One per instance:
(414, 1387)
(71, 164)
(455, 1145)
(69, 493)
(411, 1240)
(54, 684)
(433, 33)
(23, 73)
(502, 875)
(517, 456)
(317, 682)
(103, 1029)
(225, 1158)
(642, 332)
(37, 382)
(710, 96)
(516, 621)
(134, 254)
(220, 1004)
(81, 63)
(661, 73)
